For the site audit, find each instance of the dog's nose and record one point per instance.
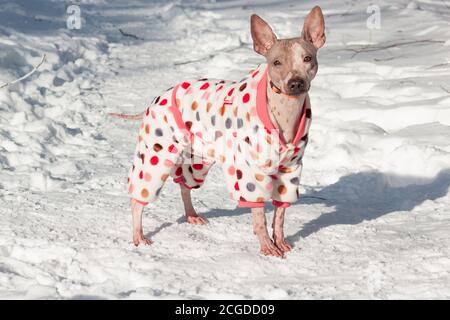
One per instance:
(296, 86)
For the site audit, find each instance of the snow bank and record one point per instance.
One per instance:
(46, 119)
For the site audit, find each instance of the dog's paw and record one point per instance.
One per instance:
(141, 239)
(268, 248)
(283, 245)
(199, 220)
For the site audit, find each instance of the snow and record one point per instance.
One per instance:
(373, 221)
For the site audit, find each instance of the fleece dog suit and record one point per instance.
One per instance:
(197, 123)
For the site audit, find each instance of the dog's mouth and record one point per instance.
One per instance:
(296, 93)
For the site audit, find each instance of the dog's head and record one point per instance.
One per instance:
(292, 62)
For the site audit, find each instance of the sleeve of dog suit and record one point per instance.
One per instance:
(253, 185)
(286, 186)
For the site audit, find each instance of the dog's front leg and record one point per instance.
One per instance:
(278, 233)
(191, 215)
(260, 229)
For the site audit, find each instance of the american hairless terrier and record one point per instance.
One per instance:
(257, 129)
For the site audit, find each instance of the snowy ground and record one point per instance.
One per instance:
(374, 220)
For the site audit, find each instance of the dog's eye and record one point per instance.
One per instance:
(307, 59)
(277, 63)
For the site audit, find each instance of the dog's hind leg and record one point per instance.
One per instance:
(138, 234)
(191, 215)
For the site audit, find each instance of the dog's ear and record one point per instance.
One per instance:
(262, 34)
(314, 27)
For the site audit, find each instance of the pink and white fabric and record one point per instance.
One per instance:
(197, 123)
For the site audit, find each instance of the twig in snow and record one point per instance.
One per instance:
(445, 89)
(126, 34)
(438, 66)
(203, 204)
(375, 48)
(194, 61)
(313, 197)
(387, 59)
(25, 76)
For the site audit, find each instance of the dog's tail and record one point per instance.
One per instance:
(138, 116)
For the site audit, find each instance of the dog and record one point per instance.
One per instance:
(257, 129)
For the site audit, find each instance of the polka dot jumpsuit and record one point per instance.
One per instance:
(197, 123)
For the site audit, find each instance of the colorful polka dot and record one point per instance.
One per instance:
(282, 189)
(144, 193)
(172, 149)
(154, 160)
(259, 177)
(222, 110)
(157, 147)
(168, 163)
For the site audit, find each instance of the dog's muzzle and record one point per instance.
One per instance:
(297, 86)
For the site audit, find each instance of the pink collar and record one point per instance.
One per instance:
(261, 108)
